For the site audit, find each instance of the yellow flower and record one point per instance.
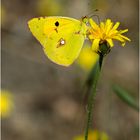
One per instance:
(6, 104)
(106, 33)
(94, 135)
(87, 58)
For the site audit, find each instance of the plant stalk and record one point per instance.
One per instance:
(92, 93)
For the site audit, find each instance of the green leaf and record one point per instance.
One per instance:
(125, 96)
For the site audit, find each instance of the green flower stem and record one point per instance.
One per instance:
(92, 93)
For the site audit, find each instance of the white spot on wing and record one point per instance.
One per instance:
(61, 42)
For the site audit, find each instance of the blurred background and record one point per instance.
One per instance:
(44, 100)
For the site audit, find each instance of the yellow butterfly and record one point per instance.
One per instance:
(61, 37)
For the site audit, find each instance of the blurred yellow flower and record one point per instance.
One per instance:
(3, 14)
(106, 32)
(6, 104)
(87, 58)
(94, 135)
(48, 7)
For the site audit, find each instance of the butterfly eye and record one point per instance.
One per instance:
(56, 23)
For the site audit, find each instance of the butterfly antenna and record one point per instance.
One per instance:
(94, 15)
(98, 18)
(92, 11)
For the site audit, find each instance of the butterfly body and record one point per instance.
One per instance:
(61, 37)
